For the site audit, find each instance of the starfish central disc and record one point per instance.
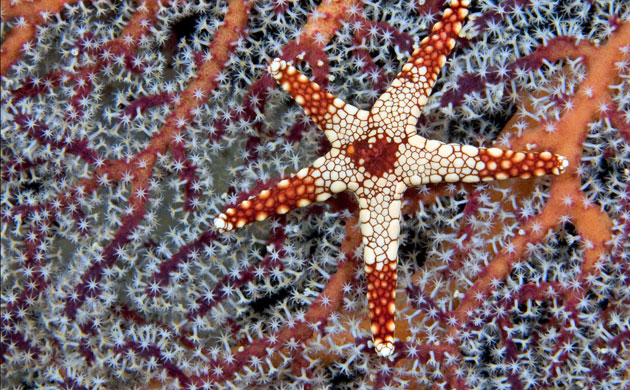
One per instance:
(376, 157)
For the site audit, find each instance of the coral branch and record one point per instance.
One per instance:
(29, 17)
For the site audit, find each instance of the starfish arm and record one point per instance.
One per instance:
(410, 90)
(299, 190)
(431, 161)
(379, 218)
(340, 121)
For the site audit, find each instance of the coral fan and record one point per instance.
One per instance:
(127, 126)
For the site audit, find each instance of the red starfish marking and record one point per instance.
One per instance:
(377, 157)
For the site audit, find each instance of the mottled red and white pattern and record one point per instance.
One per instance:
(376, 155)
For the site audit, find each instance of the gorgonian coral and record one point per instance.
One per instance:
(126, 126)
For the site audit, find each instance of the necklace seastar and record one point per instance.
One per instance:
(376, 155)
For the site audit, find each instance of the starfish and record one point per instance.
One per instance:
(377, 155)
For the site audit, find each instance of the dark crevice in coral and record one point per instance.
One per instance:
(341, 380)
(30, 184)
(570, 229)
(260, 305)
(414, 246)
(186, 27)
(545, 314)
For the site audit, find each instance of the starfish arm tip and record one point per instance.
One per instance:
(221, 223)
(276, 66)
(384, 348)
(563, 164)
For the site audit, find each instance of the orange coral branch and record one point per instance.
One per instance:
(33, 9)
(33, 15)
(326, 20)
(142, 164)
(19, 35)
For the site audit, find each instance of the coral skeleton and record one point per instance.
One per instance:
(127, 127)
